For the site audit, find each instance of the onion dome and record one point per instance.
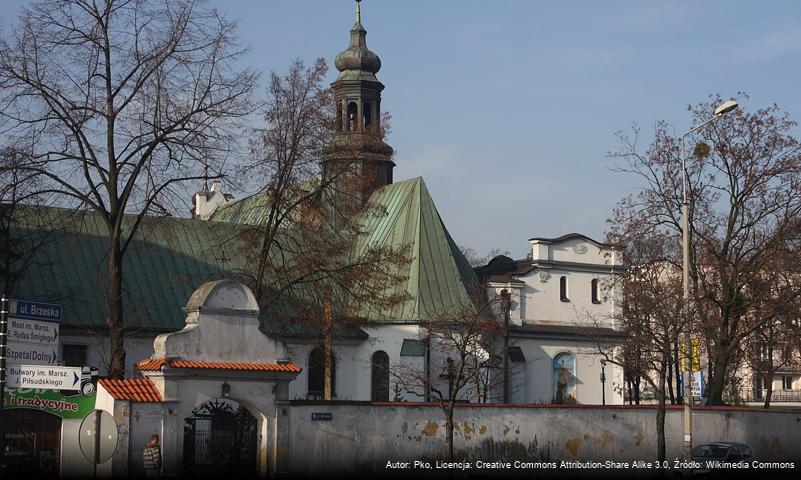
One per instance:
(358, 61)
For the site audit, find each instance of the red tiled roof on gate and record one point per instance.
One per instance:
(155, 364)
(133, 389)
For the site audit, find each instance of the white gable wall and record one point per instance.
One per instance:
(580, 261)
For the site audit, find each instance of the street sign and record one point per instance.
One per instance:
(32, 331)
(40, 376)
(45, 312)
(31, 353)
(98, 437)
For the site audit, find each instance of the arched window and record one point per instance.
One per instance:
(379, 376)
(368, 115)
(317, 375)
(564, 378)
(563, 289)
(353, 111)
(594, 288)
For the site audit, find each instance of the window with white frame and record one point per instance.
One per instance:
(787, 382)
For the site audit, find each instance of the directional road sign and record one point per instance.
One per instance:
(44, 377)
(31, 353)
(32, 331)
(32, 336)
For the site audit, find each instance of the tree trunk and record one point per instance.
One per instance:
(717, 381)
(677, 370)
(116, 363)
(449, 429)
(660, 420)
(768, 388)
(631, 393)
(769, 371)
(669, 384)
(327, 348)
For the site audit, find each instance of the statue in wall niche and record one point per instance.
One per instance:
(564, 381)
(561, 384)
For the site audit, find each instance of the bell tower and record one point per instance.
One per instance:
(357, 161)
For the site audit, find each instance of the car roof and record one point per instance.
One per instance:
(724, 444)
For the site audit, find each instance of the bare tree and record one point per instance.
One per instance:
(306, 268)
(650, 317)
(769, 348)
(745, 200)
(464, 349)
(475, 260)
(21, 232)
(117, 102)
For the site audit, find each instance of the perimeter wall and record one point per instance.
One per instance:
(343, 437)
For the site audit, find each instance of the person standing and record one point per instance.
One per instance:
(152, 457)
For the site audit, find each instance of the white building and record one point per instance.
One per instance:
(564, 309)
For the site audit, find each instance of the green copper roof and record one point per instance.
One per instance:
(438, 277)
(248, 211)
(169, 258)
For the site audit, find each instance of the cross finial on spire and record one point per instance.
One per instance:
(358, 11)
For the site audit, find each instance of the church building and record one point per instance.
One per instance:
(560, 302)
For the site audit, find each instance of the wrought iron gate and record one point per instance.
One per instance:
(220, 439)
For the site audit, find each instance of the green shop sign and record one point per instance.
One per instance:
(63, 404)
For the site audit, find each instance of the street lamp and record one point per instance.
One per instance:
(603, 382)
(722, 109)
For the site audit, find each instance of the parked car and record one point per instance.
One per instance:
(707, 454)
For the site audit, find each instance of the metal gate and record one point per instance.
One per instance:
(220, 439)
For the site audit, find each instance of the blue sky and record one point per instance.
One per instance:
(508, 108)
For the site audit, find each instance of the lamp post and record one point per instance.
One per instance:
(603, 382)
(722, 109)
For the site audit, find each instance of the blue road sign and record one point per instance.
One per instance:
(44, 312)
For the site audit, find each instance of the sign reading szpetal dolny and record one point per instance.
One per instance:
(19, 353)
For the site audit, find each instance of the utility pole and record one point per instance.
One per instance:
(4, 309)
(506, 303)
(725, 107)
